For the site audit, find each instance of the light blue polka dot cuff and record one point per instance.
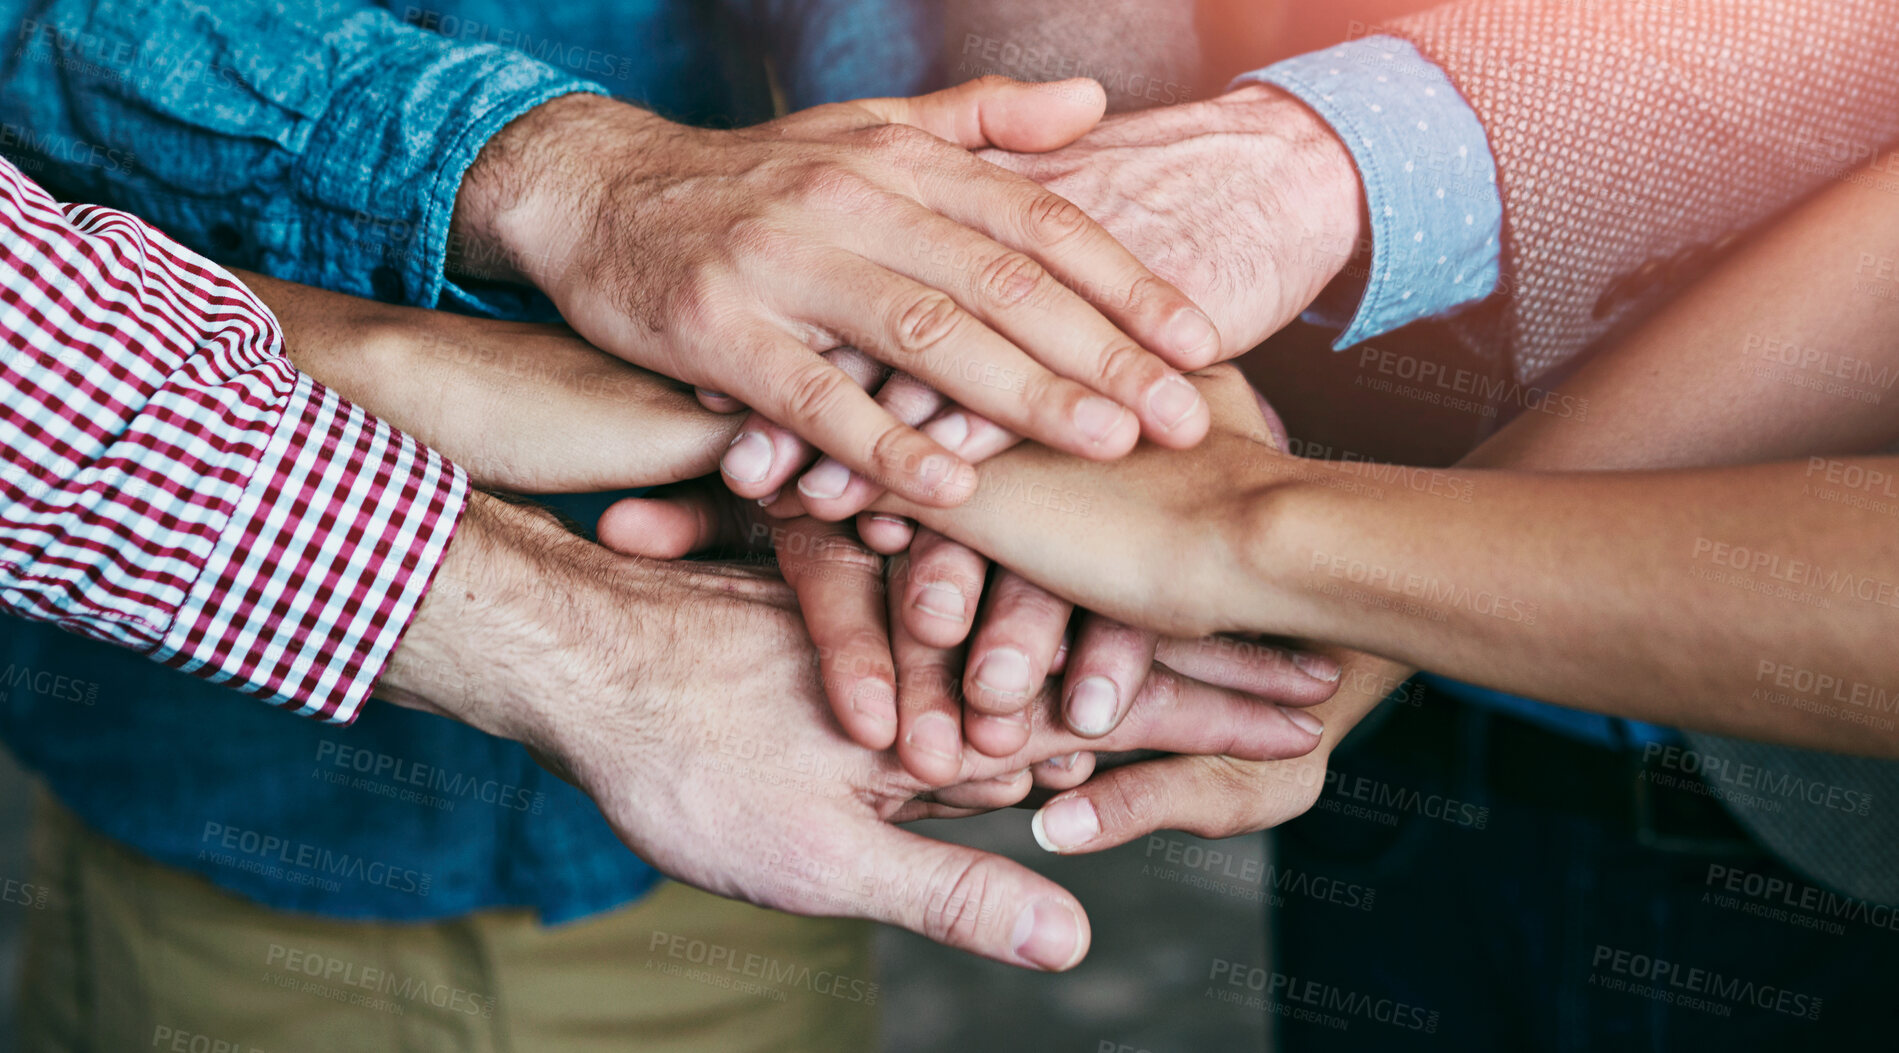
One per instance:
(1430, 178)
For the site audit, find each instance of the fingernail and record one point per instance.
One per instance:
(766, 501)
(1098, 418)
(937, 735)
(1005, 671)
(944, 601)
(1172, 401)
(749, 457)
(1047, 934)
(876, 700)
(1065, 824)
(1091, 706)
(708, 393)
(895, 521)
(1009, 779)
(1316, 666)
(826, 480)
(1304, 721)
(950, 431)
(1192, 333)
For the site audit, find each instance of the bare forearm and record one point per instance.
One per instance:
(1695, 599)
(521, 407)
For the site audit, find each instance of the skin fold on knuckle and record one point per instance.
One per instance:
(960, 901)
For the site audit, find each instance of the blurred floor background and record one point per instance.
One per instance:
(1143, 988)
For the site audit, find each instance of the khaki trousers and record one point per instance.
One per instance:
(127, 954)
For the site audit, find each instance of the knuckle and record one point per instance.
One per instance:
(1033, 606)
(1123, 360)
(898, 138)
(1148, 296)
(817, 391)
(894, 454)
(699, 301)
(834, 188)
(960, 901)
(1051, 219)
(926, 322)
(1131, 806)
(755, 236)
(1011, 279)
(843, 554)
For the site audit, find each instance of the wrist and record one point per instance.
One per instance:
(1289, 534)
(526, 205)
(1329, 190)
(507, 625)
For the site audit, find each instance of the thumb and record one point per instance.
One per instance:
(996, 111)
(1205, 796)
(680, 523)
(971, 900)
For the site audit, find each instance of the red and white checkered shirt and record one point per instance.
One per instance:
(173, 485)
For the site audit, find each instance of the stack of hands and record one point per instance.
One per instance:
(844, 312)
(935, 390)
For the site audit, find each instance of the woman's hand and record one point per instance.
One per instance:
(522, 407)
(1155, 540)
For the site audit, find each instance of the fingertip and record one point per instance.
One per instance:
(1066, 824)
(1304, 721)
(885, 534)
(932, 749)
(1190, 340)
(872, 718)
(1051, 934)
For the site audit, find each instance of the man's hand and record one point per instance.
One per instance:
(684, 699)
(732, 259)
(1247, 202)
(528, 408)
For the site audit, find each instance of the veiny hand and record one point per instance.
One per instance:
(683, 698)
(528, 408)
(731, 258)
(1247, 202)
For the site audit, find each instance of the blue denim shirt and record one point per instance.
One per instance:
(323, 142)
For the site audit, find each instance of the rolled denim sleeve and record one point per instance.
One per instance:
(1430, 178)
(321, 141)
